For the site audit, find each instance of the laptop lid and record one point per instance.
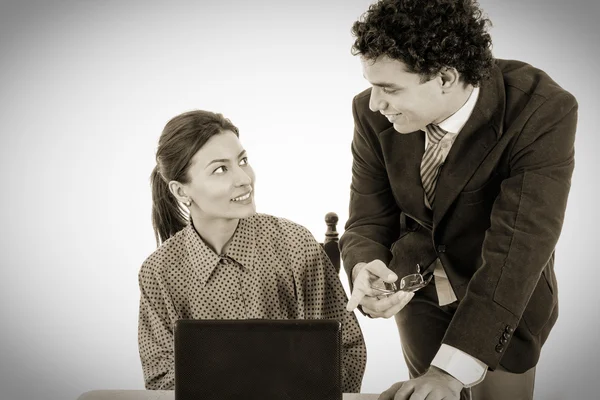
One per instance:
(258, 359)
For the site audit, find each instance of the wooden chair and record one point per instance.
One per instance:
(331, 243)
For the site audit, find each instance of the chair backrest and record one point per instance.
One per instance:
(331, 245)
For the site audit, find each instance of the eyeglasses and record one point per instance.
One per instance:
(409, 283)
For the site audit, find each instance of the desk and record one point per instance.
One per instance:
(168, 395)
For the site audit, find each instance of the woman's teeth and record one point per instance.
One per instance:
(242, 198)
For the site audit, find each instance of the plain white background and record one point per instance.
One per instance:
(85, 89)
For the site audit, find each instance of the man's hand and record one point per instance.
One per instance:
(435, 384)
(365, 276)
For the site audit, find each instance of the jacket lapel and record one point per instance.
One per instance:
(473, 143)
(402, 154)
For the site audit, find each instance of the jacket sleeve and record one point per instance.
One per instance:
(526, 222)
(373, 221)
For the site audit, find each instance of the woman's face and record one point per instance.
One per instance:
(221, 182)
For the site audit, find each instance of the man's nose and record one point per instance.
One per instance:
(376, 102)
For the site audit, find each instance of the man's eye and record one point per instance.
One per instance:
(389, 91)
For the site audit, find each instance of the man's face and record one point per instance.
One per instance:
(401, 96)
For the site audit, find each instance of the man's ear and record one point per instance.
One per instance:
(449, 79)
(178, 190)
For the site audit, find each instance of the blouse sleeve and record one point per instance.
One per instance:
(322, 296)
(155, 332)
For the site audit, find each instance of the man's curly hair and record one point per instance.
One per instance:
(427, 36)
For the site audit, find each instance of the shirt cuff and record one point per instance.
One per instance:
(467, 369)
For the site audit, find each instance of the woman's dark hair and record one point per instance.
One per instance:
(181, 138)
(427, 35)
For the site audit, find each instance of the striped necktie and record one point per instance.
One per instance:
(431, 162)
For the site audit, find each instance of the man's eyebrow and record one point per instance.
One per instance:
(384, 84)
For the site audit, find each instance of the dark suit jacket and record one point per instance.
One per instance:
(500, 202)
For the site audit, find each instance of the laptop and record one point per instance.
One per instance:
(258, 359)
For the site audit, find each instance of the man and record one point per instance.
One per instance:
(461, 172)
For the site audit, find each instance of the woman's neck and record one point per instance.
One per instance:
(217, 233)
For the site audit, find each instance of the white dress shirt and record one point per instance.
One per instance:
(467, 369)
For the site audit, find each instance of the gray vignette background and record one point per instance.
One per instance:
(85, 89)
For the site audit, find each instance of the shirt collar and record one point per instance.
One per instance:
(455, 122)
(241, 249)
(243, 243)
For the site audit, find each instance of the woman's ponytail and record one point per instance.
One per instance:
(167, 215)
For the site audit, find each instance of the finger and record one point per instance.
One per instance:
(361, 288)
(355, 298)
(418, 395)
(453, 396)
(373, 285)
(404, 297)
(366, 282)
(375, 307)
(376, 291)
(391, 392)
(376, 313)
(436, 396)
(371, 302)
(371, 313)
(380, 270)
(395, 301)
(405, 391)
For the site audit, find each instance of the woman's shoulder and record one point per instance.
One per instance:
(169, 254)
(279, 227)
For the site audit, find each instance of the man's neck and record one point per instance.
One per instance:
(458, 100)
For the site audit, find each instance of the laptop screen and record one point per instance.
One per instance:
(258, 359)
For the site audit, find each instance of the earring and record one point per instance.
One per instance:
(188, 203)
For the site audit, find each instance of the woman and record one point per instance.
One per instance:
(218, 259)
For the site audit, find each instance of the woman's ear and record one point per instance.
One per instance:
(178, 190)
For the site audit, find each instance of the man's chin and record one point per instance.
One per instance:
(403, 128)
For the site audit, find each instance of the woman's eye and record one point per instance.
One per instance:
(222, 169)
(244, 161)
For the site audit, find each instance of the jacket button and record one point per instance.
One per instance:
(506, 335)
(499, 348)
(509, 329)
(441, 248)
(503, 340)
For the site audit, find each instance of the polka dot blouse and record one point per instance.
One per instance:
(273, 269)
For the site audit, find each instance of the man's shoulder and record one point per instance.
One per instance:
(360, 102)
(363, 97)
(522, 77)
